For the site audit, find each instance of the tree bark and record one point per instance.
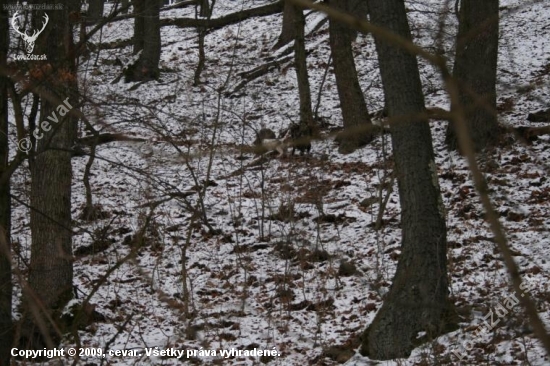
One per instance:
(418, 298)
(475, 70)
(139, 25)
(124, 5)
(357, 124)
(51, 271)
(205, 8)
(306, 113)
(6, 325)
(152, 47)
(147, 66)
(288, 30)
(205, 11)
(95, 11)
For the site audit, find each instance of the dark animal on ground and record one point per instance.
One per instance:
(301, 137)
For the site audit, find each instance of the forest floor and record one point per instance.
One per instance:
(295, 262)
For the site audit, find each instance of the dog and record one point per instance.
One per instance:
(300, 135)
(267, 141)
(275, 145)
(264, 134)
(296, 136)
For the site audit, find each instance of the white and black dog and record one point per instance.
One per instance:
(296, 136)
(267, 141)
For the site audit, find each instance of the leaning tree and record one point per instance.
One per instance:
(357, 124)
(475, 71)
(418, 298)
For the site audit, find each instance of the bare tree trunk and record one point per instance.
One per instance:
(288, 30)
(152, 46)
(147, 67)
(124, 5)
(76, 6)
(95, 11)
(204, 11)
(475, 69)
(139, 25)
(6, 325)
(51, 270)
(306, 114)
(357, 124)
(202, 57)
(418, 299)
(206, 8)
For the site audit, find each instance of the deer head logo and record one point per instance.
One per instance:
(29, 40)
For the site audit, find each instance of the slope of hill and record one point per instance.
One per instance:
(204, 246)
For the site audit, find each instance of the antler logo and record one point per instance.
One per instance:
(29, 40)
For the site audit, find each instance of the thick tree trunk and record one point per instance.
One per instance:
(6, 326)
(306, 114)
(147, 67)
(139, 25)
(51, 270)
(152, 47)
(95, 11)
(288, 29)
(357, 125)
(475, 69)
(418, 299)
(124, 5)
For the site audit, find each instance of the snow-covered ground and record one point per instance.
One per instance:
(272, 276)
